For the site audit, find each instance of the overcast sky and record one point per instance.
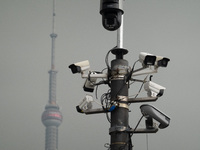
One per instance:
(168, 28)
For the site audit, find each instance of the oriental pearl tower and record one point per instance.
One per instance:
(52, 117)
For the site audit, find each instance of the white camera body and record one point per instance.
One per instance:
(80, 67)
(153, 89)
(86, 103)
(90, 83)
(147, 59)
(161, 61)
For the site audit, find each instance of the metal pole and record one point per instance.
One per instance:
(119, 117)
(120, 33)
(120, 139)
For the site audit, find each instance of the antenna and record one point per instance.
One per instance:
(53, 36)
(54, 14)
(52, 117)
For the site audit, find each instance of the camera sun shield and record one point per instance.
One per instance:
(151, 112)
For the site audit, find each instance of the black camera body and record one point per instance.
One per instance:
(111, 11)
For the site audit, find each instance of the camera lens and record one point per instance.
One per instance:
(111, 21)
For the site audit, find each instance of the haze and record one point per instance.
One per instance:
(168, 28)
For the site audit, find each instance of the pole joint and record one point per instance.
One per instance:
(122, 101)
(119, 52)
(119, 129)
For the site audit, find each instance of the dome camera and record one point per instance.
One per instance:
(111, 11)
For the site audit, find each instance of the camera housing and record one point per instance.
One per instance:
(79, 67)
(153, 89)
(90, 83)
(147, 59)
(162, 61)
(151, 112)
(111, 11)
(85, 104)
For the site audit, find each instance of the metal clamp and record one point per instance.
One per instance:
(123, 101)
(118, 129)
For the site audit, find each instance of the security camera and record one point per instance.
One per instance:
(161, 61)
(80, 66)
(90, 83)
(85, 104)
(111, 11)
(151, 112)
(147, 59)
(153, 89)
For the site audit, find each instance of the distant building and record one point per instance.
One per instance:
(52, 117)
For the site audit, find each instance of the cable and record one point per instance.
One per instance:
(106, 98)
(107, 145)
(134, 66)
(131, 72)
(124, 84)
(127, 78)
(147, 142)
(138, 123)
(106, 58)
(99, 83)
(131, 134)
(141, 86)
(103, 70)
(129, 142)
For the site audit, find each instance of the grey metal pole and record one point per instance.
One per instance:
(120, 139)
(120, 33)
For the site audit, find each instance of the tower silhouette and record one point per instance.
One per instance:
(52, 117)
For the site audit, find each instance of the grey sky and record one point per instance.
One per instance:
(164, 27)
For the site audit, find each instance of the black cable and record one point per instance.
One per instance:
(99, 83)
(124, 84)
(106, 58)
(104, 69)
(129, 143)
(137, 125)
(141, 86)
(134, 65)
(107, 145)
(139, 90)
(106, 98)
(128, 77)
